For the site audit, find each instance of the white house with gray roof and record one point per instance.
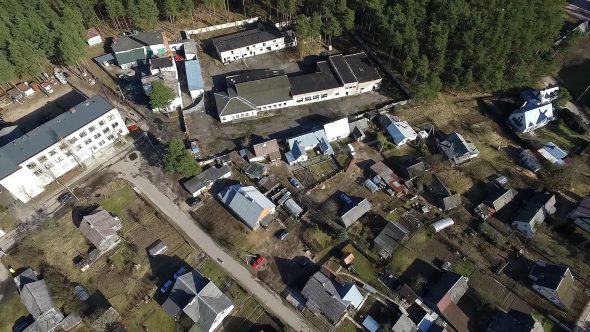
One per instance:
(264, 39)
(260, 92)
(535, 112)
(299, 145)
(247, 203)
(36, 297)
(31, 162)
(200, 299)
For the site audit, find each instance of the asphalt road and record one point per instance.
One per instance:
(269, 299)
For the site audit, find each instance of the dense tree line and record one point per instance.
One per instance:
(35, 30)
(489, 44)
(463, 44)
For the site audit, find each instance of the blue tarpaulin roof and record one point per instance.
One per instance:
(371, 324)
(194, 76)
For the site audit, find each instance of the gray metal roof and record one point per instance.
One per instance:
(246, 202)
(292, 207)
(355, 212)
(310, 139)
(36, 297)
(194, 77)
(49, 133)
(246, 38)
(321, 295)
(99, 226)
(455, 147)
(390, 238)
(265, 91)
(206, 178)
(27, 276)
(141, 39)
(198, 297)
(229, 103)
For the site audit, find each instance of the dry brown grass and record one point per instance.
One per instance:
(456, 180)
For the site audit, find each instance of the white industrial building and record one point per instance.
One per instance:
(263, 39)
(259, 92)
(337, 130)
(31, 162)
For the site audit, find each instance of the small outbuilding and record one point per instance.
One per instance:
(157, 248)
(93, 36)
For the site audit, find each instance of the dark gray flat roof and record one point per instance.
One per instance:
(343, 70)
(361, 67)
(322, 79)
(141, 39)
(49, 133)
(246, 38)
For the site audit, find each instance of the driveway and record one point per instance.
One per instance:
(268, 298)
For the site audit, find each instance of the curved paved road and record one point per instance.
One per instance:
(269, 299)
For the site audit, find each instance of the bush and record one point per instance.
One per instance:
(574, 122)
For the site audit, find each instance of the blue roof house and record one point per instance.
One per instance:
(553, 153)
(401, 132)
(298, 146)
(370, 324)
(194, 78)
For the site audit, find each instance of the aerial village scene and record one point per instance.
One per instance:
(295, 165)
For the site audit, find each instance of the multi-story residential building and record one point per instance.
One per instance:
(263, 39)
(39, 157)
(259, 92)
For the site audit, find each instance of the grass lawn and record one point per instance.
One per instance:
(151, 316)
(347, 326)
(363, 267)
(7, 221)
(404, 256)
(559, 133)
(119, 200)
(211, 270)
(464, 268)
(12, 309)
(548, 325)
(318, 239)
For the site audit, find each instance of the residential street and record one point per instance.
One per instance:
(269, 299)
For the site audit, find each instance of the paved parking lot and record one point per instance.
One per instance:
(216, 137)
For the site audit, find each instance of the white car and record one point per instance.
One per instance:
(60, 77)
(352, 152)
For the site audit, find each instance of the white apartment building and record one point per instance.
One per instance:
(31, 162)
(256, 93)
(252, 42)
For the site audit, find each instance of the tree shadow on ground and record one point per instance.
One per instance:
(295, 272)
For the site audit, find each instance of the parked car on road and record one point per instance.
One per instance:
(64, 198)
(282, 234)
(192, 201)
(295, 183)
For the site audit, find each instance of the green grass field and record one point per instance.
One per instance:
(118, 200)
(464, 268)
(559, 133)
(12, 309)
(404, 256)
(347, 326)
(150, 316)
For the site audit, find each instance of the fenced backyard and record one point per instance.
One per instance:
(313, 172)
